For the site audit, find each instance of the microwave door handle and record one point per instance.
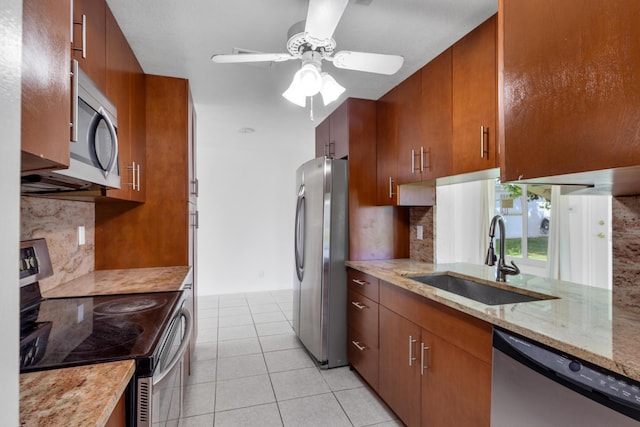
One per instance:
(114, 141)
(181, 350)
(74, 100)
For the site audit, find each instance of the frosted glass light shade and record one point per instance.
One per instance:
(294, 95)
(331, 89)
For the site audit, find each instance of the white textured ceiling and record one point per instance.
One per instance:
(177, 38)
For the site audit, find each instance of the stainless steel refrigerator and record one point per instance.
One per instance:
(320, 279)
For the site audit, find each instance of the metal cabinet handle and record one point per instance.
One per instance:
(359, 282)
(483, 131)
(138, 176)
(413, 161)
(391, 193)
(360, 306)
(332, 153)
(196, 185)
(411, 358)
(83, 49)
(421, 159)
(422, 358)
(357, 344)
(197, 219)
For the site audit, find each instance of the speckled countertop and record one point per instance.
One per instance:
(126, 281)
(580, 320)
(79, 396)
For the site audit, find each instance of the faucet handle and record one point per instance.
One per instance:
(512, 270)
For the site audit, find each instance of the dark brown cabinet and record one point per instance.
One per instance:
(428, 353)
(89, 26)
(474, 60)
(571, 88)
(332, 135)
(387, 149)
(46, 85)
(362, 325)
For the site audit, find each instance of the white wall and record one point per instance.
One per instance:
(10, 62)
(247, 197)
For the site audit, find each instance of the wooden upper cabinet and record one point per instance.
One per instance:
(387, 149)
(46, 85)
(410, 143)
(436, 117)
(475, 99)
(332, 135)
(92, 56)
(125, 88)
(570, 94)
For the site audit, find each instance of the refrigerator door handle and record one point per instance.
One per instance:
(299, 233)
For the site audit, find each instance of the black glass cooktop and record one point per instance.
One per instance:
(63, 332)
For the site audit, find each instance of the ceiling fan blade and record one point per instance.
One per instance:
(251, 57)
(370, 62)
(322, 19)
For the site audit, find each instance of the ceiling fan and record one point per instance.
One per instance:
(311, 41)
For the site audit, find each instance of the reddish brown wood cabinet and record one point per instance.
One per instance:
(410, 142)
(46, 85)
(475, 99)
(387, 149)
(89, 17)
(125, 88)
(570, 89)
(428, 353)
(332, 135)
(362, 323)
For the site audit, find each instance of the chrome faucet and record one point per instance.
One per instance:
(502, 269)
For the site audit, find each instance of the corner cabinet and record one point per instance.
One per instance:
(570, 95)
(332, 135)
(435, 362)
(46, 85)
(475, 99)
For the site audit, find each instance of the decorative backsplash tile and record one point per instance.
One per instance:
(422, 250)
(626, 252)
(57, 221)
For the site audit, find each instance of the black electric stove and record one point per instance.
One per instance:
(64, 332)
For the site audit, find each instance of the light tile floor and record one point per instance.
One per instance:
(250, 369)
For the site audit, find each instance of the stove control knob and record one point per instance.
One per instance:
(575, 366)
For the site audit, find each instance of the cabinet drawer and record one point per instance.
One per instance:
(362, 317)
(363, 284)
(363, 357)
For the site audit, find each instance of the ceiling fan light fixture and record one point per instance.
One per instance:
(295, 95)
(309, 79)
(331, 89)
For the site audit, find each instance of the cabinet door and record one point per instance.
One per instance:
(475, 99)
(571, 94)
(340, 123)
(456, 386)
(117, 91)
(399, 382)
(322, 138)
(410, 141)
(137, 134)
(92, 57)
(46, 85)
(436, 118)
(387, 149)
(362, 344)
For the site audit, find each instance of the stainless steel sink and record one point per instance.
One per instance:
(480, 292)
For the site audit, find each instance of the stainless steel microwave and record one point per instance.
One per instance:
(94, 140)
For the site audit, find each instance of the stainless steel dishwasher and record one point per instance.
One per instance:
(534, 385)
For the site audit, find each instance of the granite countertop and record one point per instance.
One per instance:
(579, 320)
(126, 281)
(79, 396)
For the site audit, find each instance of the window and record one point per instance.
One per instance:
(526, 210)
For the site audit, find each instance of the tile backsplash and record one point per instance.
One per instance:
(57, 221)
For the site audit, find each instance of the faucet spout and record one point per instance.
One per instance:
(502, 270)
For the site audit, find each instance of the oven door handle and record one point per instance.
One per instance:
(181, 350)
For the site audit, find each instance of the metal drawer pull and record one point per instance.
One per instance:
(483, 132)
(411, 358)
(359, 305)
(422, 359)
(357, 344)
(359, 282)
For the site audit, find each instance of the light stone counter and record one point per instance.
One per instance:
(580, 320)
(126, 281)
(79, 396)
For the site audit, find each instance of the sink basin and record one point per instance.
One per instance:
(480, 292)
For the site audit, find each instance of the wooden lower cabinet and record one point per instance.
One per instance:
(435, 364)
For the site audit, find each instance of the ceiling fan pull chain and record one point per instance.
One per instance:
(311, 109)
